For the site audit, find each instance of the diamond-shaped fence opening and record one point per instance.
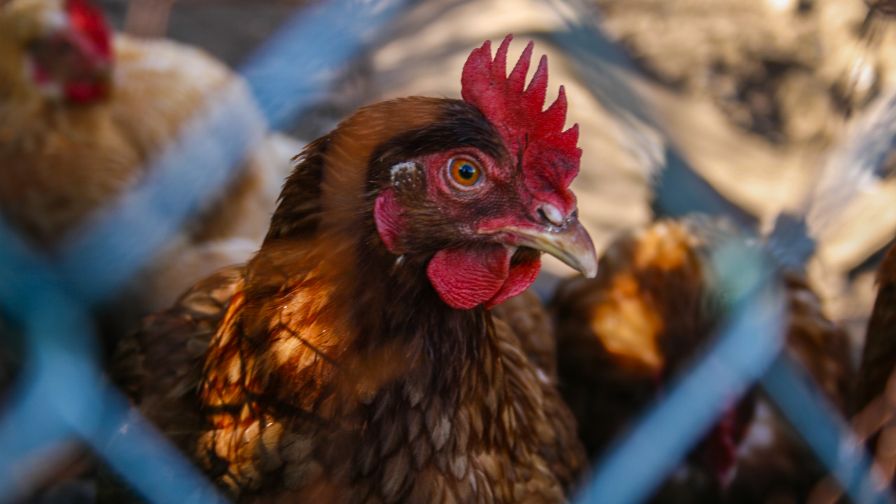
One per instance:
(61, 395)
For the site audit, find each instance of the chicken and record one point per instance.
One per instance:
(653, 306)
(354, 357)
(879, 354)
(872, 401)
(773, 462)
(886, 7)
(83, 112)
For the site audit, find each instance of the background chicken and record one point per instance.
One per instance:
(82, 114)
(354, 357)
(872, 401)
(653, 306)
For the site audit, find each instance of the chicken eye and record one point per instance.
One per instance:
(465, 172)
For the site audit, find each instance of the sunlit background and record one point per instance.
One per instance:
(747, 109)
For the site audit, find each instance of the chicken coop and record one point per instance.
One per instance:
(592, 251)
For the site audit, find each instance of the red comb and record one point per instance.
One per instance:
(549, 154)
(89, 21)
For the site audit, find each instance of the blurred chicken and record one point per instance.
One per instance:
(653, 306)
(773, 463)
(83, 112)
(355, 357)
(874, 399)
(886, 7)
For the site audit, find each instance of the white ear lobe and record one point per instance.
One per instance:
(402, 171)
(54, 21)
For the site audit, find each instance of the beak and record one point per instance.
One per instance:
(570, 243)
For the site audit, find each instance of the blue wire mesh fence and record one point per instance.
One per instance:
(63, 397)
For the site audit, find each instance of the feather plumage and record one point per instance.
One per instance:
(338, 370)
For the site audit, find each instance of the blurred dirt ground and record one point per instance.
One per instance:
(754, 94)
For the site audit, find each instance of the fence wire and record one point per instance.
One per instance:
(62, 396)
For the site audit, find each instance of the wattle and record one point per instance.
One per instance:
(720, 451)
(85, 92)
(480, 275)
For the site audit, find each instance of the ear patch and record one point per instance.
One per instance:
(388, 220)
(403, 175)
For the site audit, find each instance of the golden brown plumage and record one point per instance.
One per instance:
(654, 304)
(63, 158)
(339, 369)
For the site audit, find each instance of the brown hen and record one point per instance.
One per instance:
(355, 357)
(874, 397)
(655, 303)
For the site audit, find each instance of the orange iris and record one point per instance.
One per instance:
(465, 171)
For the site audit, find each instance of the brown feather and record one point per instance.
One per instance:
(879, 353)
(532, 324)
(774, 463)
(872, 401)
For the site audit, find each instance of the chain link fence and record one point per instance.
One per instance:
(61, 397)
